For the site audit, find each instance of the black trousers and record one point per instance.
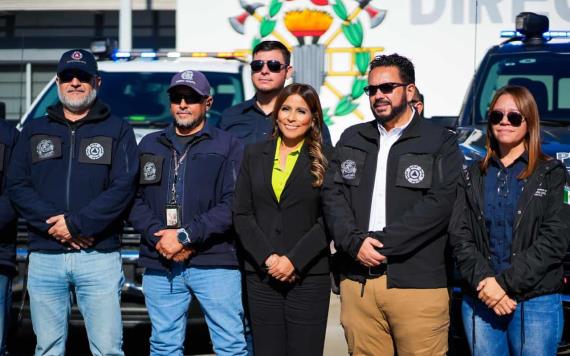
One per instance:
(288, 319)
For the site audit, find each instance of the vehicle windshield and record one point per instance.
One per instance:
(141, 98)
(546, 75)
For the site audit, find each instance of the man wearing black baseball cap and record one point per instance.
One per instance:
(71, 179)
(183, 212)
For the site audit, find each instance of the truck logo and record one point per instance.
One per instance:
(317, 62)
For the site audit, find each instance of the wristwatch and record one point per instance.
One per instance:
(183, 237)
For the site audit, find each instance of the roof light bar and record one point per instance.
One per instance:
(548, 34)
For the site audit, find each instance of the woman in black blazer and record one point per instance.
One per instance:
(279, 221)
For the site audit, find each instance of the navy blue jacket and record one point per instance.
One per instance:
(251, 125)
(8, 221)
(85, 170)
(205, 193)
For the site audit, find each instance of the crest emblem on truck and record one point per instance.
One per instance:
(316, 62)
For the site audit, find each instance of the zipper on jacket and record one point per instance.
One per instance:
(519, 218)
(71, 147)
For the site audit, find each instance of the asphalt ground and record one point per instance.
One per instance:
(22, 341)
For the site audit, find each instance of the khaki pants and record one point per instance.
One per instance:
(413, 321)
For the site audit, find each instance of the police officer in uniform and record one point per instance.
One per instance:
(387, 201)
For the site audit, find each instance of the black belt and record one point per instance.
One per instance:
(377, 271)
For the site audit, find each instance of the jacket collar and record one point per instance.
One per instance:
(268, 158)
(371, 134)
(168, 137)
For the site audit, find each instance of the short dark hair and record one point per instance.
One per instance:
(266, 46)
(404, 65)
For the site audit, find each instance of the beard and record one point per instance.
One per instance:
(79, 104)
(395, 112)
(188, 124)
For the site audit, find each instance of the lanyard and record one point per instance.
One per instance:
(177, 162)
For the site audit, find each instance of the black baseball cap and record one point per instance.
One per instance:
(79, 59)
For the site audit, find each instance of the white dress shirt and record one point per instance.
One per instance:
(377, 220)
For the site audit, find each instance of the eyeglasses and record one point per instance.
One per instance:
(385, 88)
(515, 118)
(176, 98)
(503, 183)
(274, 65)
(68, 75)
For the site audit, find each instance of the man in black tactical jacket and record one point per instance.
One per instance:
(387, 200)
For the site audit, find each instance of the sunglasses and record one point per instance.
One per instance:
(515, 118)
(68, 75)
(176, 98)
(273, 65)
(385, 88)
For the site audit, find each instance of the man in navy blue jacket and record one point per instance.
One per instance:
(183, 212)
(71, 177)
(8, 136)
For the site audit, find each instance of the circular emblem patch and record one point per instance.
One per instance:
(76, 55)
(149, 171)
(414, 174)
(94, 151)
(45, 148)
(187, 75)
(348, 169)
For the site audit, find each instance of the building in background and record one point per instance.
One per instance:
(33, 34)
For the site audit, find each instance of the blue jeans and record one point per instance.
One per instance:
(97, 279)
(5, 301)
(543, 322)
(168, 296)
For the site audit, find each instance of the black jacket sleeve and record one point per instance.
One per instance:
(218, 219)
(472, 265)
(251, 236)
(26, 199)
(549, 248)
(339, 216)
(429, 217)
(94, 218)
(7, 212)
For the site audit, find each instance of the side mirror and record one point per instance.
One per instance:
(2, 110)
(449, 122)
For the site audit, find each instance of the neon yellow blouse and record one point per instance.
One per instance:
(278, 176)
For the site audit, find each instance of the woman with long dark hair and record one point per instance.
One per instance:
(278, 218)
(509, 232)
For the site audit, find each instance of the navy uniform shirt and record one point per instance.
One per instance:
(250, 124)
(502, 192)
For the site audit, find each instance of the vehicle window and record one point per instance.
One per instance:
(545, 75)
(141, 97)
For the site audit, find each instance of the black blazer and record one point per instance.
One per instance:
(293, 227)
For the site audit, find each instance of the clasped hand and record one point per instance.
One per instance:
(280, 268)
(491, 293)
(60, 232)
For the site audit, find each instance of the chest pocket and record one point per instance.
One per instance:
(2, 158)
(351, 166)
(96, 150)
(44, 147)
(151, 168)
(415, 171)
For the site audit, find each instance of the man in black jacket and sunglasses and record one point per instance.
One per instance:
(387, 201)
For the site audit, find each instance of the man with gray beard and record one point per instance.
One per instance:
(72, 177)
(183, 212)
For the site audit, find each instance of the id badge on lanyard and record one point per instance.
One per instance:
(172, 209)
